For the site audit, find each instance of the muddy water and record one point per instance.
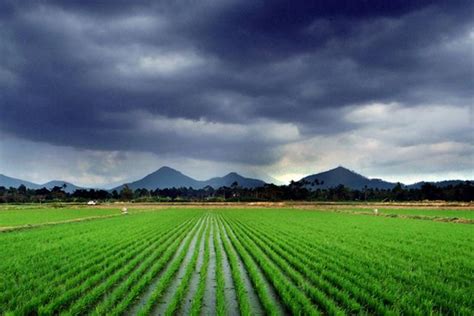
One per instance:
(149, 290)
(194, 282)
(271, 291)
(209, 300)
(253, 297)
(166, 298)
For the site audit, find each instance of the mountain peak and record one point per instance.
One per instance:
(232, 177)
(166, 172)
(166, 168)
(167, 177)
(232, 174)
(341, 168)
(343, 171)
(346, 177)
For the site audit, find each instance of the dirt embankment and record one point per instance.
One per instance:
(296, 204)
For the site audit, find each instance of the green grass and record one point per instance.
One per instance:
(219, 275)
(131, 273)
(167, 278)
(416, 266)
(33, 216)
(436, 213)
(122, 295)
(242, 295)
(178, 296)
(297, 261)
(196, 306)
(294, 300)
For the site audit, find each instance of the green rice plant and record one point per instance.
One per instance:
(138, 264)
(35, 216)
(178, 296)
(303, 261)
(257, 281)
(24, 299)
(196, 306)
(84, 267)
(242, 296)
(110, 267)
(291, 296)
(331, 281)
(319, 298)
(384, 264)
(135, 289)
(374, 304)
(273, 249)
(167, 278)
(219, 274)
(370, 275)
(161, 256)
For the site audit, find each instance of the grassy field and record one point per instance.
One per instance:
(32, 215)
(433, 213)
(202, 260)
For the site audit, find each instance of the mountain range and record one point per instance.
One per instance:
(8, 182)
(167, 177)
(348, 178)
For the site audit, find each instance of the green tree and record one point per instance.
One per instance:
(126, 194)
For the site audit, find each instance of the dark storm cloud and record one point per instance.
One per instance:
(89, 74)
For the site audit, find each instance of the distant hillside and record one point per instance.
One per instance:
(167, 177)
(440, 184)
(232, 177)
(340, 175)
(70, 188)
(8, 182)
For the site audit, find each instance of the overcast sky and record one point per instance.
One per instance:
(99, 92)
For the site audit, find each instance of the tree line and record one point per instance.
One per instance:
(295, 191)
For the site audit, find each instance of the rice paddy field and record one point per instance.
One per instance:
(17, 216)
(210, 260)
(443, 214)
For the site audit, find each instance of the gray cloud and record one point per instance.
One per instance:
(222, 76)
